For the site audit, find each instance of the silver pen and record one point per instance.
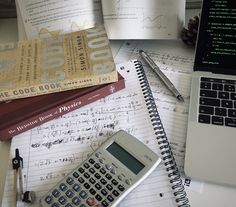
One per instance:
(161, 75)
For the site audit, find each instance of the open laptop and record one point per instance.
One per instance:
(211, 134)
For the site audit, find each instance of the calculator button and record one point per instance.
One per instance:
(91, 161)
(98, 186)
(83, 194)
(128, 182)
(115, 193)
(113, 171)
(69, 194)
(92, 191)
(108, 176)
(97, 166)
(92, 170)
(82, 205)
(101, 160)
(102, 170)
(104, 192)
(121, 187)
(114, 182)
(91, 180)
(103, 181)
(86, 165)
(97, 175)
(109, 187)
(76, 187)
(81, 180)
(70, 180)
(63, 186)
(120, 177)
(75, 174)
(48, 199)
(62, 200)
(55, 205)
(110, 198)
(105, 204)
(86, 185)
(90, 201)
(86, 175)
(97, 154)
(81, 170)
(76, 200)
(56, 193)
(98, 197)
(108, 166)
(68, 205)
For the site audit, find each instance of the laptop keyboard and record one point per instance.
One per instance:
(217, 102)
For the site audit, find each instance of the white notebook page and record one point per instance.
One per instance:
(55, 148)
(176, 62)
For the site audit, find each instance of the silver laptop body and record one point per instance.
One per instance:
(211, 148)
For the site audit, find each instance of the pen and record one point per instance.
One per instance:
(161, 75)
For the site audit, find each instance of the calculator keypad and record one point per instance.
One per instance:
(95, 183)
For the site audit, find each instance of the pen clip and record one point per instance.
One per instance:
(148, 59)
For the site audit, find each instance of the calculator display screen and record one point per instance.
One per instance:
(125, 158)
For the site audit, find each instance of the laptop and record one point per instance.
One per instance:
(211, 133)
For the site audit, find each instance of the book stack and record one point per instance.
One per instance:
(20, 115)
(42, 79)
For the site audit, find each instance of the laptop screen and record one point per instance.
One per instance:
(216, 44)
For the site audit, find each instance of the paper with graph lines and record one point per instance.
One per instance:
(143, 19)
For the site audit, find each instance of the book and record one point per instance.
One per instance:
(54, 149)
(56, 63)
(143, 19)
(20, 115)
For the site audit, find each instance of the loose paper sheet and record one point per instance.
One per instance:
(143, 19)
(59, 16)
(124, 19)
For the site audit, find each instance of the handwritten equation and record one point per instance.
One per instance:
(53, 149)
(177, 65)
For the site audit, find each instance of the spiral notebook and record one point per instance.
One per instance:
(53, 149)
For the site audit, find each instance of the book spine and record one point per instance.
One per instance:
(38, 119)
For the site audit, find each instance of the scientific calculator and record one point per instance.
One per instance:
(107, 176)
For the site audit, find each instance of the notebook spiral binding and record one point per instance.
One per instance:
(167, 155)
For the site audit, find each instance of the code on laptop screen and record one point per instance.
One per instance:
(216, 46)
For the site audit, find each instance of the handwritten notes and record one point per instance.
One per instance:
(143, 19)
(55, 148)
(176, 61)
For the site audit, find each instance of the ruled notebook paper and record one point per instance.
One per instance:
(55, 148)
(176, 62)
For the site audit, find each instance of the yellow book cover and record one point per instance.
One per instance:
(57, 63)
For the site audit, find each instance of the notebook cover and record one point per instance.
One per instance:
(20, 115)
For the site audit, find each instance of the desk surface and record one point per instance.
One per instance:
(211, 196)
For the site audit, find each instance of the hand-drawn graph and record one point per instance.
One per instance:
(147, 15)
(152, 17)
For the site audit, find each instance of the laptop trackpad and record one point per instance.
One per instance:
(211, 153)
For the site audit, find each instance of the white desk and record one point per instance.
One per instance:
(212, 195)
